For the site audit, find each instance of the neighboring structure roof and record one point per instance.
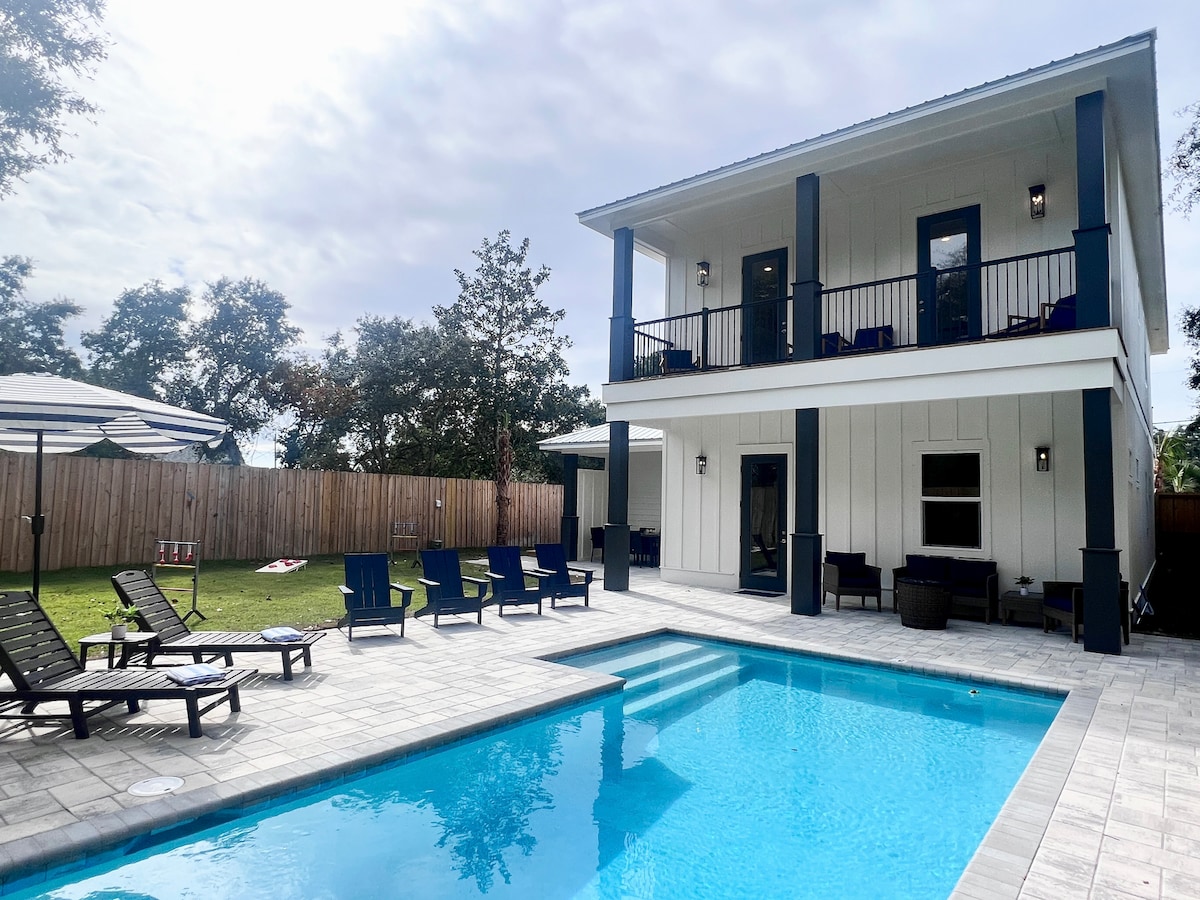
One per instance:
(595, 439)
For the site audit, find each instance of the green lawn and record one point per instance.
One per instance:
(232, 595)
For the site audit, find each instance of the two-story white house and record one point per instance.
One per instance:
(927, 333)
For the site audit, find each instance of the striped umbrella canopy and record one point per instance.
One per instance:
(48, 414)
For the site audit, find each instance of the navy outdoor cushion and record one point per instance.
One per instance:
(925, 568)
(969, 576)
(858, 579)
(1063, 603)
(1062, 315)
(846, 562)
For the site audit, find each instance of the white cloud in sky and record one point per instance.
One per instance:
(352, 155)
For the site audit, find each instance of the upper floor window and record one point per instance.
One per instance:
(951, 500)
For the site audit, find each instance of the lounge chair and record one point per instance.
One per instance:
(367, 593)
(847, 574)
(508, 580)
(552, 561)
(42, 669)
(155, 613)
(445, 586)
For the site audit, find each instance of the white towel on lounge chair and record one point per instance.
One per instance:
(196, 673)
(282, 634)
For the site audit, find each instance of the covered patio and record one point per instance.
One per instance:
(1108, 807)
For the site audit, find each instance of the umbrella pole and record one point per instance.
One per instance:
(37, 524)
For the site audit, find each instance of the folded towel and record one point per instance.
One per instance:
(283, 634)
(197, 673)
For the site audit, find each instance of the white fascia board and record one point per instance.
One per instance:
(1066, 362)
(594, 449)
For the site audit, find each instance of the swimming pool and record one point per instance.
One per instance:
(720, 771)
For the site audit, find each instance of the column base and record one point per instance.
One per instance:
(1102, 600)
(806, 574)
(569, 535)
(616, 557)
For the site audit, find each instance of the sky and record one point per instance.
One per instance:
(352, 155)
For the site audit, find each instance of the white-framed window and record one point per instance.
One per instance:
(952, 499)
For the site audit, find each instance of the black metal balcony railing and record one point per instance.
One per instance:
(1018, 296)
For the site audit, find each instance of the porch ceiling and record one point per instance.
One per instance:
(1054, 362)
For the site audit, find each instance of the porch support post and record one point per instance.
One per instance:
(1101, 559)
(620, 368)
(806, 290)
(569, 531)
(806, 542)
(616, 531)
(1091, 238)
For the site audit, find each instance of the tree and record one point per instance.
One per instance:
(236, 348)
(320, 397)
(32, 337)
(516, 351)
(1176, 470)
(1184, 162)
(142, 346)
(40, 42)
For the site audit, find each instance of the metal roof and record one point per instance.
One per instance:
(596, 438)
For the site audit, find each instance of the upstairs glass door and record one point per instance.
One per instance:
(764, 307)
(949, 306)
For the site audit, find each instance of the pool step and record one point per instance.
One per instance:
(630, 663)
(685, 667)
(716, 679)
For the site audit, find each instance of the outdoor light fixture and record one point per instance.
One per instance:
(703, 270)
(1041, 456)
(701, 464)
(1037, 201)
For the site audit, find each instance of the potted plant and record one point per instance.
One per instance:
(119, 617)
(1024, 581)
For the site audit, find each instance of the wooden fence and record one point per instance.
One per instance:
(108, 512)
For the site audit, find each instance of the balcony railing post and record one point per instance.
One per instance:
(704, 339)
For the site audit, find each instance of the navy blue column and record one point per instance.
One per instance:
(806, 542)
(1091, 238)
(806, 289)
(805, 572)
(616, 531)
(569, 531)
(620, 368)
(1101, 565)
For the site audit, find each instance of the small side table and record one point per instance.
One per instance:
(1016, 602)
(130, 644)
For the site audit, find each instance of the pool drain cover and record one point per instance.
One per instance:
(152, 787)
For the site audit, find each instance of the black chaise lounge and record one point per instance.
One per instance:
(43, 669)
(155, 613)
(367, 593)
(445, 586)
(508, 580)
(552, 561)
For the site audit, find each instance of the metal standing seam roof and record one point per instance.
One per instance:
(867, 124)
(597, 435)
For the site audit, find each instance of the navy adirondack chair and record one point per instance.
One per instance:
(446, 586)
(508, 580)
(552, 562)
(368, 593)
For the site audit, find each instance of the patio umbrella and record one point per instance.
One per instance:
(48, 414)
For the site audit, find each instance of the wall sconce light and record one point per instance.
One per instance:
(1041, 457)
(701, 464)
(1037, 201)
(703, 270)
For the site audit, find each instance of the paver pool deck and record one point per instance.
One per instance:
(1109, 806)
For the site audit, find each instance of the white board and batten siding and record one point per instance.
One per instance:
(870, 484)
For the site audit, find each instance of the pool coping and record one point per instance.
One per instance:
(997, 869)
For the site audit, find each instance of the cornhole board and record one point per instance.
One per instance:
(283, 566)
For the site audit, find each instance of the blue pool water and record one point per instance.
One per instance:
(720, 771)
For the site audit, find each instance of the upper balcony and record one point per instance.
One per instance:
(1011, 298)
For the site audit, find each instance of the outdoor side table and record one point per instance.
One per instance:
(1016, 602)
(922, 604)
(130, 645)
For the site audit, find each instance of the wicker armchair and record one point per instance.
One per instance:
(847, 574)
(1062, 604)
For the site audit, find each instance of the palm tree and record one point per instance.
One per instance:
(1175, 470)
